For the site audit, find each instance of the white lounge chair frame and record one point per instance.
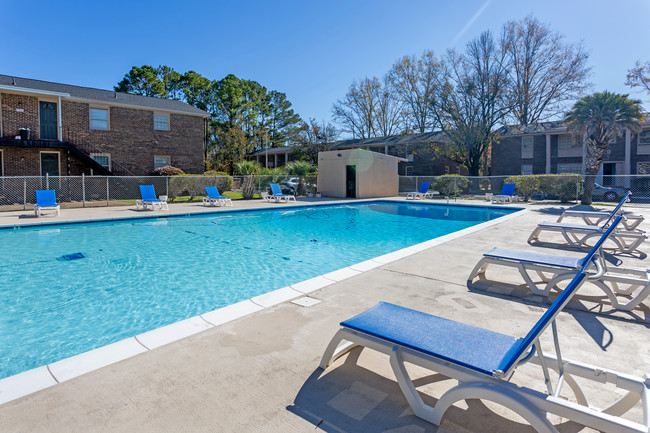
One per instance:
(417, 194)
(624, 287)
(578, 236)
(38, 209)
(145, 203)
(532, 405)
(595, 218)
(221, 201)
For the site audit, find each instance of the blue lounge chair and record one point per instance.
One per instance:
(577, 235)
(278, 195)
(148, 195)
(595, 218)
(422, 193)
(215, 197)
(484, 361)
(507, 194)
(625, 288)
(46, 200)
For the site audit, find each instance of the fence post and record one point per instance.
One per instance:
(167, 186)
(47, 180)
(83, 189)
(578, 188)
(455, 189)
(107, 194)
(24, 193)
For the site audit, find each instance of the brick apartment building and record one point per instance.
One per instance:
(59, 129)
(547, 148)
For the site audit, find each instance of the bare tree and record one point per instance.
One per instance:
(388, 119)
(357, 111)
(313, 137)
(545, 71)
(639, 76)
(470, 101)
(414, 80)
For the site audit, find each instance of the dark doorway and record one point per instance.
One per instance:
(48, 121)
(49, 164)
(351, 181)
(609, 170)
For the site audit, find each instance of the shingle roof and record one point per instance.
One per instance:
(392, 140)
(107, 96)
(533, 128)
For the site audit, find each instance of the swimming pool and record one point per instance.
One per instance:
(133, 276)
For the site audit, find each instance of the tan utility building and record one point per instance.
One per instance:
(357, 173)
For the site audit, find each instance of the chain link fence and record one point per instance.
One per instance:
(566, 188)
(18, 192)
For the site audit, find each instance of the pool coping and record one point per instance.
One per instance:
(36, 379)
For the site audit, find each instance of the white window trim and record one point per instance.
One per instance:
(108, 118)
(639, 138)
(2, 162)
(40, 160)
(161, 114)
(529, 153)
(92, 155)
(169, 157)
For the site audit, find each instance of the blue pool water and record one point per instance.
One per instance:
(69, 288)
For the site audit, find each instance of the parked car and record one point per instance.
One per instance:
(607, 193)
(291, 184)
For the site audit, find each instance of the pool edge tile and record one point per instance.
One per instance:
(276, 297)
(25, 383)
(342, 274)
(172, 332)
(308, 286)
(231, 312)
(86, 362)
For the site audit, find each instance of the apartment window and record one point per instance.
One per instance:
(569, 168)
(104, 159)
(527, 146)
(161, 122)
(99, 119)
(526, 169)
(643, 168)
(567, 141)
(161, 161)
(446, 169)
(644, 138)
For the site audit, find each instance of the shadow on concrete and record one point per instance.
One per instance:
(350, 398)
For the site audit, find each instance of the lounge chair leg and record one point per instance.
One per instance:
(420, 409)
(333, 351)
(499, 395)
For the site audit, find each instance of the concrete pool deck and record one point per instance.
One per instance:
(259, 372)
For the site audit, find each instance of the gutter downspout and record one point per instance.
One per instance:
(60, 129)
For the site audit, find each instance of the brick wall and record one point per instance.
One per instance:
(13, 120)
(132, 142)
(506, 157)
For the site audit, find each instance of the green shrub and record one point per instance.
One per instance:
(525, 186)
(223, 181)
(561, 185)
(449, 184)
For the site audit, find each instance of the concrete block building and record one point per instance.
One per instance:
(60, 129)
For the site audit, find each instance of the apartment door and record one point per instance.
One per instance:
(351, 181)
(48, 121)
(609, 171)
(49, 163)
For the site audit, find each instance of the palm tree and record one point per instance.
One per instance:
(247, 169)
(600, 118)
(301, 169)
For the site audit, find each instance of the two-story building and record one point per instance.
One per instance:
(547, 148)
(60, 129)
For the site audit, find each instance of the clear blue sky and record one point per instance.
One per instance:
(311, 50)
